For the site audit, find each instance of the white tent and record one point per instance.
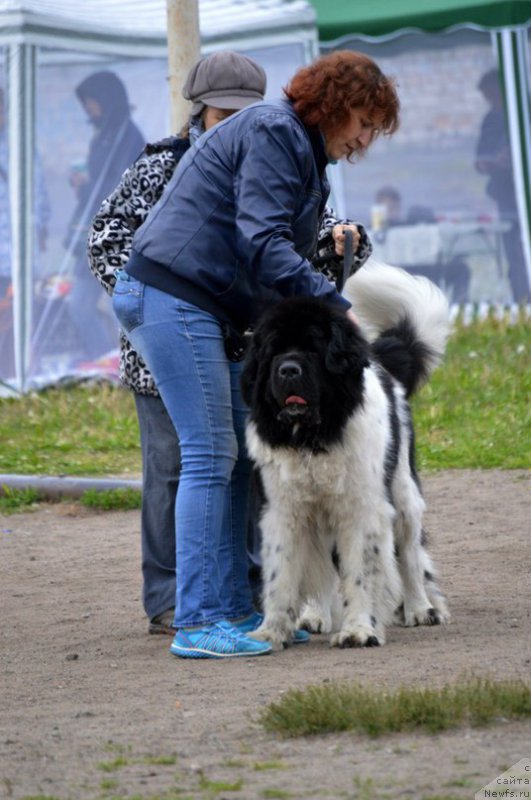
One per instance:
(48, 48)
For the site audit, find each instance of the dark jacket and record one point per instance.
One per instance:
(116, 143)
(238, 221)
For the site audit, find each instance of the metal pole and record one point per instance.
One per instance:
(184, 49)
(21, 121)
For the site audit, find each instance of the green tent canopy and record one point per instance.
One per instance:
(338, 18)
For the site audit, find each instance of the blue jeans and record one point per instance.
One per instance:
(183, 348)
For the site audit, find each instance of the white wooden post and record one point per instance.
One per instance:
(184, 49)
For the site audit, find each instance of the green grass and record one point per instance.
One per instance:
(350, 707)
(112, 499)
(115, 764)
(84, 429)
(219, 786)
(13, 500)
(473, 414)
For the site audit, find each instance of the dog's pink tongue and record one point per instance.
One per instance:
(294, 398)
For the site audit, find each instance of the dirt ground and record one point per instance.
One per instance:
(91, 706)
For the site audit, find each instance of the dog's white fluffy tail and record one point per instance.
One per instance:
(382, 296)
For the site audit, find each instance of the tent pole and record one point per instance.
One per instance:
(184, 48)
(21, 136)
(511, 46)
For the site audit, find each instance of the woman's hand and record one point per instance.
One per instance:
(338, 235)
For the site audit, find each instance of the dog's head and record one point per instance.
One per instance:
(303, 374)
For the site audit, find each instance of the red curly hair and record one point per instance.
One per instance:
(325, 92)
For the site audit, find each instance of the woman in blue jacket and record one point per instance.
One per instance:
(232, 234)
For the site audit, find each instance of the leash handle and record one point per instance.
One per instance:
(347, 261)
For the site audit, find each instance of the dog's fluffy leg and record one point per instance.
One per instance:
(423, 603)
(369, 582)
(283, 561)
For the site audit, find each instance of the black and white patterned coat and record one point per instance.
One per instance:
(125, 210)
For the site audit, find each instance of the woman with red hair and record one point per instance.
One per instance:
(348, 99)
(232, 234)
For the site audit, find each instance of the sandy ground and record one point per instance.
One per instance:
(91, 706)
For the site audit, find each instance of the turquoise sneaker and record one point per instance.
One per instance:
(218, 640)
(254, 620)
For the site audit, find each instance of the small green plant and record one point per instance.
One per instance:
(112, 766)
(219, 786)
(276, 794)
(365, 788)
(107, 784)
(160, 760)
(341, 707)
(261, 766)
(112, 499)
(442, 797)
(116, 747)
(15, 500)
(39, 797)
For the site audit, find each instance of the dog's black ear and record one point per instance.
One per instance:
(348, 350)
(256, 364)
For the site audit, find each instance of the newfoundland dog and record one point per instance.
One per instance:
(330, 430)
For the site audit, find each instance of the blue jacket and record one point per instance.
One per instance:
(237, 223)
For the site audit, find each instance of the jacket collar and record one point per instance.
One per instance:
(316, 140)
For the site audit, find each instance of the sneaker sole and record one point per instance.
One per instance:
(198, 653)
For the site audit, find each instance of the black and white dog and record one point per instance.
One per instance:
(330, 430)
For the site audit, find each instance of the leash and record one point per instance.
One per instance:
(347, 261)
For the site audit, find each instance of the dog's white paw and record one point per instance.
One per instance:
(424, 615)
(277, 638)
(356, 636)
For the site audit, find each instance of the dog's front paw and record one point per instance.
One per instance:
(356, 636)
(424, 616)
(277, 638)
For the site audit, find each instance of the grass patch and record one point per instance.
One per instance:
(164, 761)
(219, 786)
(472, 414)
(16, 500)
(108, 783)
(114, 765)
(262, 766)
(84, 429)
(112, 499)
(350, 707)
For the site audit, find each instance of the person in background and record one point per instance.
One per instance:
(218, 85)
(453, 274)
(231, 235)
(114, 146)
(493, 159)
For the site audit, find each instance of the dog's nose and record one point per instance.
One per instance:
(289, 369)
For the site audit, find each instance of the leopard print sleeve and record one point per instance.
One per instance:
(123, 212)
(325, 260)
(111, 236)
